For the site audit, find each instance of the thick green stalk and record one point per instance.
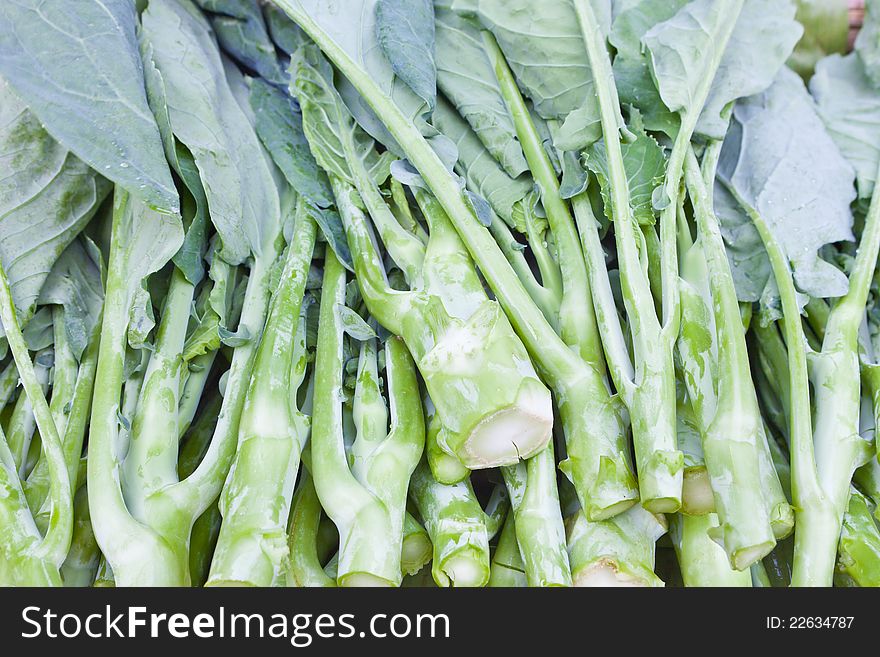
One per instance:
(607, 485)
(255, 502)
(702, 561)
(457, 527)
(540, 531)
(614, 552)
(135, 553)
(456, 335)
(652, 393)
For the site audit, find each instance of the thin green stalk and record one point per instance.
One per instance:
(814, 515)
(53, 547)
(305, 518)
(76, 423)
(8, 382)
(196, 379)
(577, 324)
(544, 297)
(151, 462)
(652, 392)
(81, 564)
(22, 423)
(405, 249)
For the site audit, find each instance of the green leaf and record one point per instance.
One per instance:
(826, 31)
(39, 332)
(75, 284)
(46, 199)
(354, 325)
(141, 319)
(76, 65)
(241, 32)
(867, 44)
(681, 52)
(482, 173)
(850, 106)
(543, 45)
(286, 34)
(466, 78)
(645, 167)
(235, 339)
(631, 66)
(405, 32)
(352, 25)
(327, 121)
(780, 162)
(205, 116)
(330, 223)
(279, 126)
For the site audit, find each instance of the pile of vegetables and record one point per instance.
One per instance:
(439, 292)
